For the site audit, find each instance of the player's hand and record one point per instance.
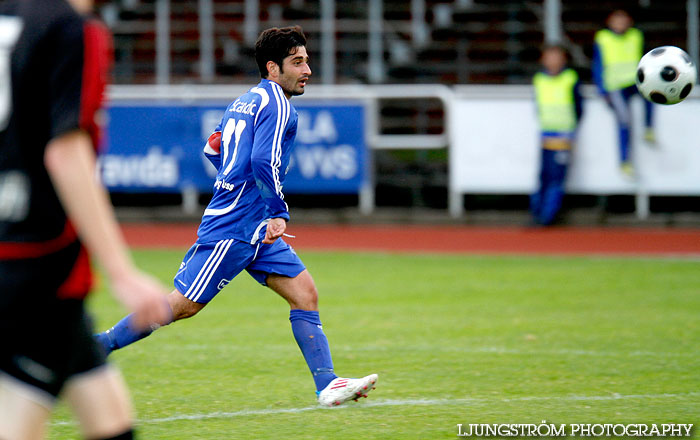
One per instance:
(275, 229)
(144, 297)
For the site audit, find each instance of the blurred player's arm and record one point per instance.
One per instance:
(597, 70)
(79, 61)
(578, 100)
(70, 162)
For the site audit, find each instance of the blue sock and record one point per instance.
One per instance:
(313, 343)
(123, 333)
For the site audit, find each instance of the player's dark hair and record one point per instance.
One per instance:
(276, 44)
(556, 46)
(624, 12)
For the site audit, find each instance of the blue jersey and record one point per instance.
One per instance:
(257, 135)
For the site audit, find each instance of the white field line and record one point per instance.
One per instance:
(474, 350)
(407, 402)
(566, 352)
(587, 255)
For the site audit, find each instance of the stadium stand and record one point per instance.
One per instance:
(476, 41)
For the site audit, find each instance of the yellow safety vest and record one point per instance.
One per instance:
(619, 54)
(556, 106)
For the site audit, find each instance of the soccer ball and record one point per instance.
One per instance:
(666, 75)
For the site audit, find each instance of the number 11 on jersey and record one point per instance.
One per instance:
(233, 127)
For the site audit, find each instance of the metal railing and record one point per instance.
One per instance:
(370, 96)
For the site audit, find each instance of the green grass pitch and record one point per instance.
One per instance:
(454, 339)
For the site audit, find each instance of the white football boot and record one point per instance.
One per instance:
(341, 389)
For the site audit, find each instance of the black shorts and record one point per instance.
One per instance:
(45, 340)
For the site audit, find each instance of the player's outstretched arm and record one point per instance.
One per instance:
(597, 70)
(70, 162)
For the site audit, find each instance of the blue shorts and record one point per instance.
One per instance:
(208, 267)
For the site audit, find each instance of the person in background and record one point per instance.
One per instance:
(616, 53)
(559, 109)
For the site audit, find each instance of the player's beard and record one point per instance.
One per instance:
(296, 90)
(291, 86)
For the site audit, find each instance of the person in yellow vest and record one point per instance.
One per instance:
(616, 53)
(559, 109)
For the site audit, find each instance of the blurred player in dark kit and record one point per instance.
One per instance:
(54, 64)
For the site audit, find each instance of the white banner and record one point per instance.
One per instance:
(495, 147)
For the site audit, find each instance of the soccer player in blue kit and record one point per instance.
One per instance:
(243, 225)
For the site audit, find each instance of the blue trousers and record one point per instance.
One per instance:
(619, 102)
(545, 203)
